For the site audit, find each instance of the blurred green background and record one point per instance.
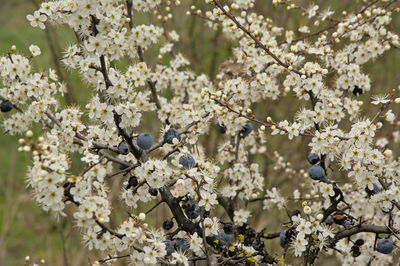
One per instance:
(27, 230)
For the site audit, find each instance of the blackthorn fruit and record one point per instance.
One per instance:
(384, 246)
(168, 224)
(283, 239)
(144, 141)
(316, 172)
(246, 130)
(313, 158)
(123, 148)
(6, 106)
(171, 134)
(187, 161)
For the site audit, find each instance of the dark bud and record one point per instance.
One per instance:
(359, 242)
(6, 106)
(132, 182)
(357, 91)
(168, 224)
(222, 128)
(153, 191)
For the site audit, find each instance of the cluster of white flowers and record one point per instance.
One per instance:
(270, 63)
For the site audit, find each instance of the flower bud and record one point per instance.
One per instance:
(142, 216)
(29, 134)
(307, 209)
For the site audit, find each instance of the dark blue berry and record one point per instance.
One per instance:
(373, 191)
(188, 204)
(295, 213)
(355, 251)
(258, 244)
(388, 209)
(144, 141)
(153, 191)
(313, 158)
(222, 128)
(316, 172)
(169, 247)
(246, 130)
(171, 134)
(181, 244)
(329, 220)
(187, 161)
(359, 242)
(193, 214)
(250, 233)
(357, 90)
(168, 224)
(123, 148)
(225, 236)
(132, 182)
(283, 239)
(122, 167)
(6, 106)
(229, 228)
(384, 246)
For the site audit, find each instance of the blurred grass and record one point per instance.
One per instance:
(27, 230)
